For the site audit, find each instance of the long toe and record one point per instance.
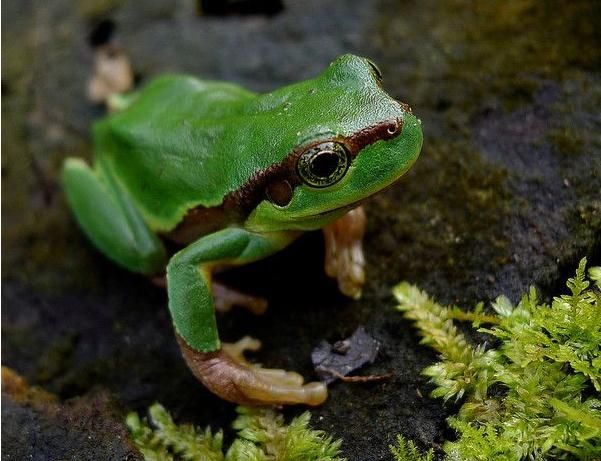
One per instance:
(277, 376)
(314, 393)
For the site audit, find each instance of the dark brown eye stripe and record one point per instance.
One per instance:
(371, 134)
(246, 199)
(275, 183)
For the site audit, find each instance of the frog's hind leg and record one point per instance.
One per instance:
(226, 298)
(111, 220)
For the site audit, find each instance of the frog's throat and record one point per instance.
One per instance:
(239, 204)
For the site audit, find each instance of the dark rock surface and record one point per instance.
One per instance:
(36, 427)
(505, 195)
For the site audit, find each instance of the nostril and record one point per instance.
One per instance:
(404, 107)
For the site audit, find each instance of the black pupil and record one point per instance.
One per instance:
(324, 164)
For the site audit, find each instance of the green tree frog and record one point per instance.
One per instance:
(231, 177)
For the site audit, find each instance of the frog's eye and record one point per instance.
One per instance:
(324, 164)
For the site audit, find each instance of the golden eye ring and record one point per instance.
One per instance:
(324, 164)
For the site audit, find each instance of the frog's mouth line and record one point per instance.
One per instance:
(356, 203)
(339, 209)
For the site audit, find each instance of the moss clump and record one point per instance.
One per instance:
(405, 450)
(534, 396)
(262, 435)
(169, 441)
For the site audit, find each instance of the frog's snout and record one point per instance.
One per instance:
(404, 106)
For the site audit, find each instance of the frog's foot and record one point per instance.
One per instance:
(113, 74)
(236, 350)
(225, 298)
(344, 253)
(226, 373)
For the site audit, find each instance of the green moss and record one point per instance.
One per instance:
(405, 450)
(262, 435)
(535, 395)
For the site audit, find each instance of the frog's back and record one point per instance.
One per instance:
(184, 142)
(161, 148)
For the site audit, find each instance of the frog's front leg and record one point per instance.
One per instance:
(344, 252)
(222, 369)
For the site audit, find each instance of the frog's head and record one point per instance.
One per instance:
(341, 138)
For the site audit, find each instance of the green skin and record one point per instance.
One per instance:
(183, 143)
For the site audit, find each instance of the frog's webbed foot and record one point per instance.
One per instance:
(226, 373)
(236, 350)
(225, 298)
(344, 252)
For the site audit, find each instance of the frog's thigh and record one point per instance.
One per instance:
(189, 279)
(111, 221)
